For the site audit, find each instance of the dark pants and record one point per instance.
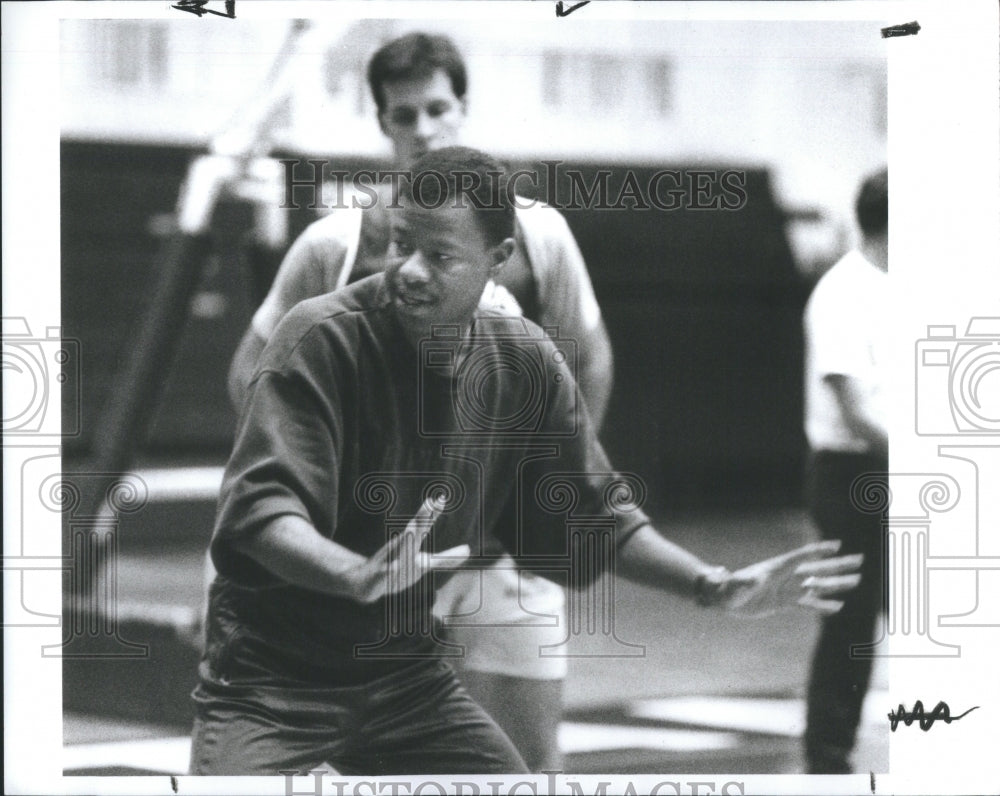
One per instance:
(839, 680)
(418, 720)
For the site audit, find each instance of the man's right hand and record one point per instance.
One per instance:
(400, 562)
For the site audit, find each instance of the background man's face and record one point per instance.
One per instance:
(421, 114)
(438, 264)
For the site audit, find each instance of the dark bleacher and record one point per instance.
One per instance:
(704, 312)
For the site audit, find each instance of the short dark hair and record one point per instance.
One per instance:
(871, 208)
(460, 174)
(415, 55)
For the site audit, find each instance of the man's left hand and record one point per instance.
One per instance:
(809, 577)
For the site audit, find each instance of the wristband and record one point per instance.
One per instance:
(710, 585)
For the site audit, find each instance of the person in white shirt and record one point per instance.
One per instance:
(845, 423)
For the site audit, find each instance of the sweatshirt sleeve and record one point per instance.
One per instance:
(570, 507)
(288, 450)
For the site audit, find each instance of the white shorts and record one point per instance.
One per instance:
(504, 617)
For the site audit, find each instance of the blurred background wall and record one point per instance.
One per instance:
(703, 308)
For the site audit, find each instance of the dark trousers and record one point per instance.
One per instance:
(418, 720)
(839, 680)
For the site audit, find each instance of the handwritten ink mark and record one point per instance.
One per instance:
(173, 784)
(871, 774)
(565, 13)
(940, 713)
(906, 29)
(197, 7)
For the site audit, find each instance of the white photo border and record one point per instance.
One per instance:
(943, 123)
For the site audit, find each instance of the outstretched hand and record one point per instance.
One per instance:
(400, 563)
(808, 577)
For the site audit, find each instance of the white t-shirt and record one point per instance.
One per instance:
(845, 334)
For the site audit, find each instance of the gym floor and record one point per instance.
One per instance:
(703, 692)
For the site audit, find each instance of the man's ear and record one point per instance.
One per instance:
(501, 253)
(381, 123)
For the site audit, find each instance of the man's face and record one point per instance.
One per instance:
(421, 114)
(438, 264)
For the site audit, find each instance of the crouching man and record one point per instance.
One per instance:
(395, 430)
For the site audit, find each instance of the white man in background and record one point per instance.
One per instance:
(419, 85)
(846, 429)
